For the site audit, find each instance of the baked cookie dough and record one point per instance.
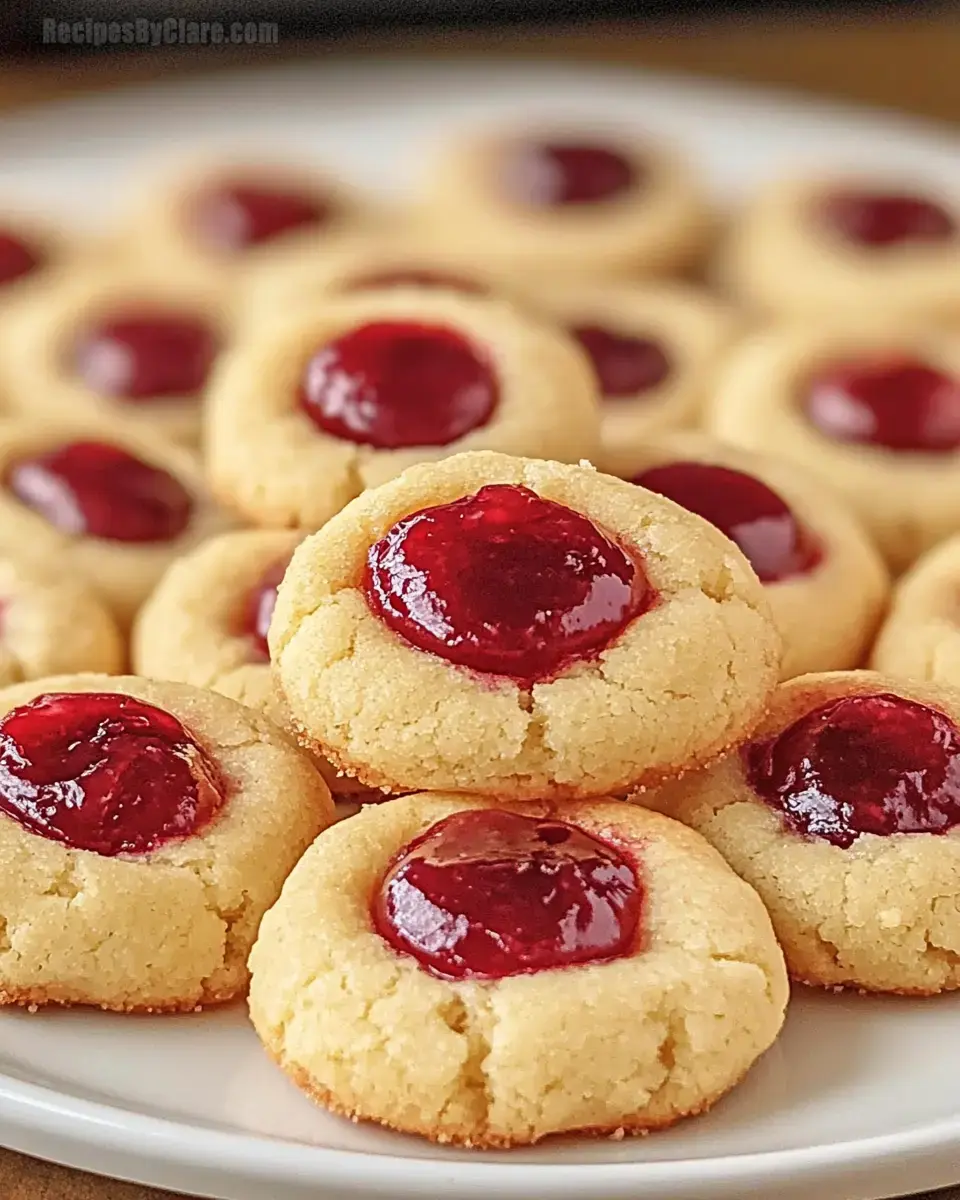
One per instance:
(521, 629)
(844, 813)
(224, 218)
(146, 896)
(115, 345)
(52, 623)
(437, 996)
(824, 579)
(306, 413)
(921, 636)
(818, 247)
(112, 507)
(655, 349)
(565, 202)
(873, 408)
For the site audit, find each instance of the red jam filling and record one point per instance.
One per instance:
(624, 366)
(505, 582)
(392, 384)
(746, 510)
(103, 772)
(487, 893)
(16, 258)
(558, 174)
(233, 216)
(102, 491)
(898, 403)
(875, 220)
(862, 764)
(417, 278)
(145, 357)
(258, 610)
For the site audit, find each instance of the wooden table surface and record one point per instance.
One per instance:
(912, 65)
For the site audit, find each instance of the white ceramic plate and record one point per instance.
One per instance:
(859, 1099)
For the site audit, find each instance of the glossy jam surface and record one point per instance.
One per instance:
(877, 220)
(487, 893)
(624, 366)
(416, 278)
(234, 216)
(16, 258)
(104, 772)
(101, 491)
(897, 403)
(560, 174)
(142, 357)
(746, 510)
(258, 610)
(862, 764)
(395, 383)
(505, 583)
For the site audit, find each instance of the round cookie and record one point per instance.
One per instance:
(225, 218)
(920, 637)
(306, 413)
(520, 628)
(114, 507)
(825, 581)
(146, 896)
(52, 623)
(460, 1035)
(655, 349)
(872, 408)
(844, 813)
(565, 202)
(816, 247)
(115, 346)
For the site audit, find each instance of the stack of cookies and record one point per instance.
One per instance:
(499, 577)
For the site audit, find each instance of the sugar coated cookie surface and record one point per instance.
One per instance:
(444, 992)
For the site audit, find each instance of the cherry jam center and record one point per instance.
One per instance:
(102, 491)
(862, 764)
(877, 220)
(258, 610)
(505, 582)
(624, 366)
(104, 772)
(234, 216)
(417, 278)
(16, 258)
(560, 174)
(142, 357)
(395, 383)
(897, 403)
(752, 515)
(487, 894)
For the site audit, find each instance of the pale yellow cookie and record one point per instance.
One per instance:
(52, 623)
(155, 508)
(855, 901)
(365, 1030)
(163, 923)
(60, 357)
(825, 581)
(675, 667)
(908, 500)
(632, 207)
(921, 636)
(655, 348)
(273, 463)
(785, 254)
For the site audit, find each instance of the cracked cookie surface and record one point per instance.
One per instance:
(368, 1033)
(169, 929)
(882, 914)
(682, 682)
